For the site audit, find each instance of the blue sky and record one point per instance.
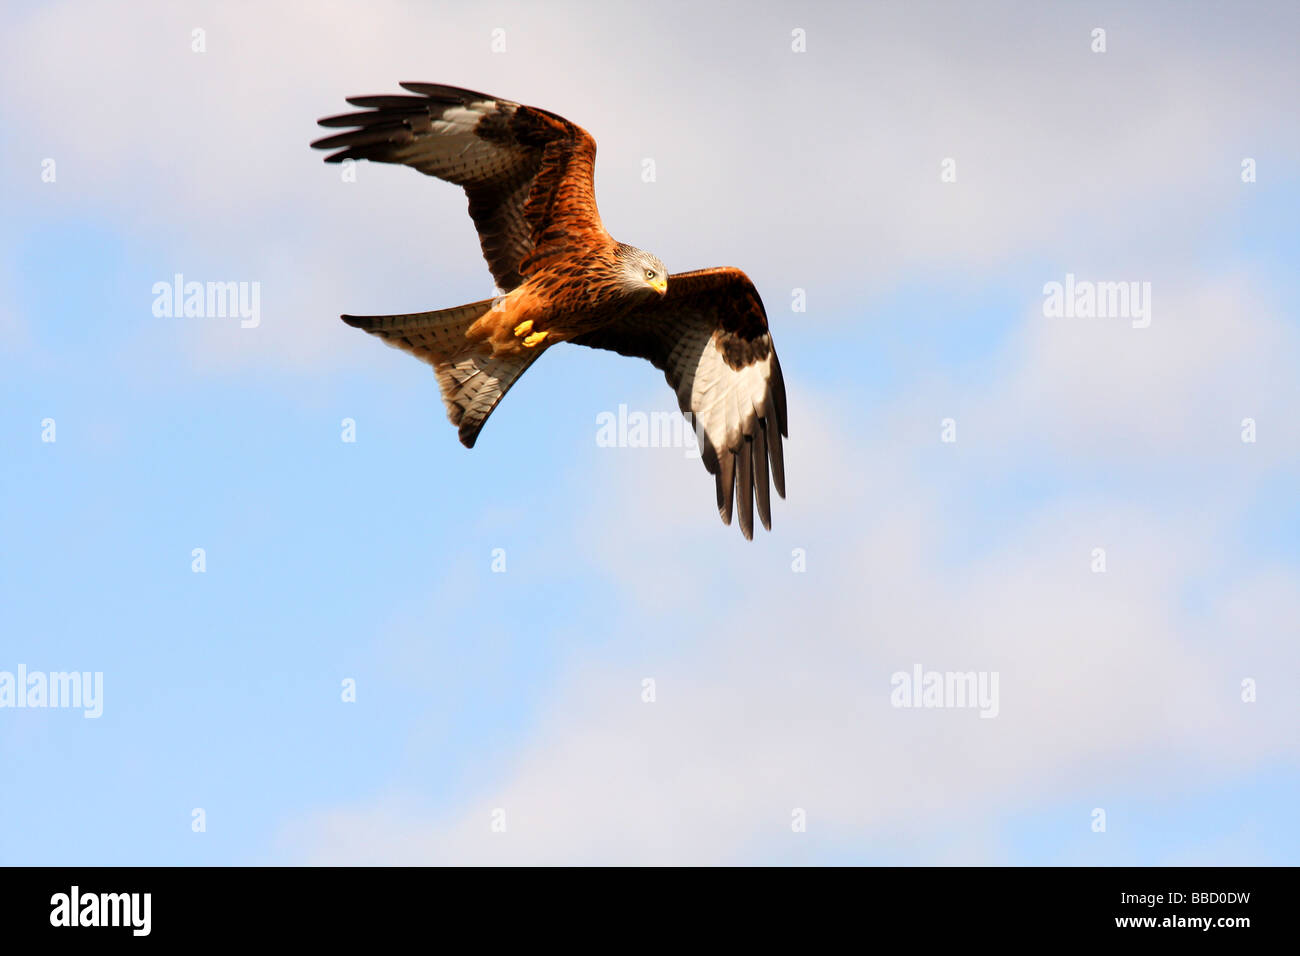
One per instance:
(521, 690)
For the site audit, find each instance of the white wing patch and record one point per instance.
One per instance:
(722, 398)
(736, 412)
(463, 119)
(455, 153)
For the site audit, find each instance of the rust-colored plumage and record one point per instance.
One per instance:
(529, 177)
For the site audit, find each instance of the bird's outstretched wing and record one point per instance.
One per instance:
(709, 335)
(527, 172)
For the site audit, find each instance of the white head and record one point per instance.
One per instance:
(641, 270)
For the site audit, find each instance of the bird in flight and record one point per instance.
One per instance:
(528, 175)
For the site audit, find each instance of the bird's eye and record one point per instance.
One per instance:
(649, 273)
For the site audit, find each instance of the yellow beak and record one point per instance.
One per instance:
(660, 286)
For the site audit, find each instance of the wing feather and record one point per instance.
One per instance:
(726, 482)
(524, 170)
(710, 338)
(762, 494)
(745, 489)
(774, 451)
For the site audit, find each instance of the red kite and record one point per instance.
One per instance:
(528, 175)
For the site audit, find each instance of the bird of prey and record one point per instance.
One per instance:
(528, 175)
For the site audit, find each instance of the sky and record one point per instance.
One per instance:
(549, 651)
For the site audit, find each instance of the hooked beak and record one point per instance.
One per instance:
(660, 286)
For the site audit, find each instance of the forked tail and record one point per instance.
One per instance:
(471, 379)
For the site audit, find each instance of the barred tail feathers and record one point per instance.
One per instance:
(471, 379)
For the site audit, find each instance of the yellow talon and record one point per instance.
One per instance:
(535, 338)
(524, 328)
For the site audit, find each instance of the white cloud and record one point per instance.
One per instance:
(784, 704)
(1218, 350)
(773, 687)
(817, 170)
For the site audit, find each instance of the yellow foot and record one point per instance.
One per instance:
(535, 338)
(523, 328)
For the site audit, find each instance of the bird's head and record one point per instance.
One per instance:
(641, 270)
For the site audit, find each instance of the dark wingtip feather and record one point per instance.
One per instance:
(384, 101)
(778, 395)
(380, 134)
(726, 485)
(448, 94)
(775, 454)
(333, 142)
(761, 490)
(745, 489)
(370, 117)
(424, 89)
